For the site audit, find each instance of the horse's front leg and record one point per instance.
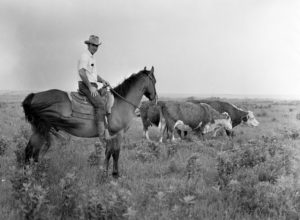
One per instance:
(116, 154)
(108, 153)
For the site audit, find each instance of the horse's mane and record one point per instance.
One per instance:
(124, 86)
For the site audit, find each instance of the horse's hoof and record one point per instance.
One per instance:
(115, 175)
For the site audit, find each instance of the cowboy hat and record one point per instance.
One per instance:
(93, 40)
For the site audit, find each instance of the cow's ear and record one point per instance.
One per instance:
(245, 118)
(226, 115)
(145, 68)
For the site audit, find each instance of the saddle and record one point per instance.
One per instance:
(81, 107)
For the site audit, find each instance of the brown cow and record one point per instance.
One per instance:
(237, 115)
(199, 117)
(149, 113)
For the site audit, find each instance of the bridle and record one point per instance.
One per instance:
(153, 84)
(124, 99)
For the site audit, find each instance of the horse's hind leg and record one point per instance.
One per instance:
(33, 147)
(116, 153)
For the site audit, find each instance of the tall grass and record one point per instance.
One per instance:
(252, 176)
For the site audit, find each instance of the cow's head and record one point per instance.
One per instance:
(137, 112)
(220, 120)
(250, 120)
(182, 129)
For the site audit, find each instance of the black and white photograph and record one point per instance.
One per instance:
(149, 110)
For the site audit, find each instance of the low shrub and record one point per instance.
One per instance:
(95, 157)
(290, 134)
(110, 204)
(20, 151)
(3, 145)
(173, 167)
(248, 178)
(171, 150)
(68, 205)
(30, 192)
(21, 140)
(147, 152)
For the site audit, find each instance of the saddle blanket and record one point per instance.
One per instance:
(81, 107)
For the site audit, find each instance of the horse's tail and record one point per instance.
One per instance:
(43, 119)
(26, 106)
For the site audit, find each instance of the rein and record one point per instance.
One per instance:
(124, 99)
(114, 91)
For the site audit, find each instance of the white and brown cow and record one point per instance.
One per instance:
(237, 115)
(199, 117)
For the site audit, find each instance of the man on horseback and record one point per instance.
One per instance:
(88, 86)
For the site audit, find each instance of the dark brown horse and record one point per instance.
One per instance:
(51, 111)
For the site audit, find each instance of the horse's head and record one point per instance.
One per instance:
(149, 89)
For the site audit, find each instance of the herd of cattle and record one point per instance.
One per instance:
(199, 116)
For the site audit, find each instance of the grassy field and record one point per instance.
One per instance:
(255, 175)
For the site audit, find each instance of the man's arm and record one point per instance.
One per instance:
(82, 74)
(100, 79)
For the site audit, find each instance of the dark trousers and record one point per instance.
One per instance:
(97, 101)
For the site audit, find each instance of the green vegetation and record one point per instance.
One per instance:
(253, 176)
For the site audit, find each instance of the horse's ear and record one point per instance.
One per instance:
(145, 68)
(152, 69)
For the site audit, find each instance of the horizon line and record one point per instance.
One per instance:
(198, 95)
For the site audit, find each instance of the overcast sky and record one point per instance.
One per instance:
(244, 47)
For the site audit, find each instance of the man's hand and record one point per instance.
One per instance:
(105, 83)
(94, 91)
